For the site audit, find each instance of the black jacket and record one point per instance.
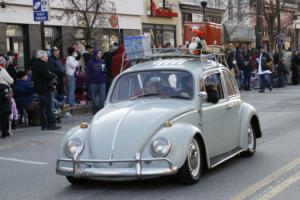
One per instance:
(264, 60)
(56, 66)
(42, 77)
(5, 105)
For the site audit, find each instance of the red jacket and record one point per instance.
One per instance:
(117, 59)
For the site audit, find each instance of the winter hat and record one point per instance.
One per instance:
(95, 52)
(20, 74)
(2, 61)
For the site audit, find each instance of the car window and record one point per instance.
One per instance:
(232, 88)
(154, 84)
(213, 87)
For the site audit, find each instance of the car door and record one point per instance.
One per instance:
(216, 125)
(233, 111)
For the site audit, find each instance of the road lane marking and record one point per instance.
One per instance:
(279, 188)
(23, 161)
(264, 182)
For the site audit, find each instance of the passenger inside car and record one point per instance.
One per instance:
(151, 87)
(187, 87)
(212, 94)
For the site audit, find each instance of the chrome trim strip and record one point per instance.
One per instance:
(120, 172)
(184, 114)
(138, 171)
(227, 158)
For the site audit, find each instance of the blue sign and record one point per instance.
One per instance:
(40, 10)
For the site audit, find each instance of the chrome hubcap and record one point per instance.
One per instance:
(250, 139)
(194, 158)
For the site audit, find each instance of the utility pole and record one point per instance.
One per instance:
(259, 22)
(43, 35)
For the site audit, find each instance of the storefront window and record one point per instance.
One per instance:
(161, 35)
(53, 37)
(15, 42)
(108, 38)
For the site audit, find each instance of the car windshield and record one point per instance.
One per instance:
(153, 84)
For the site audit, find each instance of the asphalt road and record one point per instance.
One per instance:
(27, 163)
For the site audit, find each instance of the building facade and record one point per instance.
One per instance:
(296, 25)
(161, 22)
(20, 34)
(287, 14)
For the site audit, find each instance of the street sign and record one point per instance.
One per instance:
(41, 10)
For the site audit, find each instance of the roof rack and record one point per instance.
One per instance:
(211, 52)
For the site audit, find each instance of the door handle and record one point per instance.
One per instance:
(229, 106)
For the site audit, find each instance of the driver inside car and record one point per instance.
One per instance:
(150, 87)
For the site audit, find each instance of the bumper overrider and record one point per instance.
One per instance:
(81, 168)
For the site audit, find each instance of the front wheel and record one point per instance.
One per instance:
(251, 143)
(75, 181)
(191, 170)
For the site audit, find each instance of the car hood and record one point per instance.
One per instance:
(121, 130)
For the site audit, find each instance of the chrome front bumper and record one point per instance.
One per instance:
(138, 171)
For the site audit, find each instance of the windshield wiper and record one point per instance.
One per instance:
(180, 97)
(144, 95)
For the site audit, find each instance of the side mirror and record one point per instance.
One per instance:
(203, 95)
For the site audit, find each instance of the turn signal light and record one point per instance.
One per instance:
(84, 125)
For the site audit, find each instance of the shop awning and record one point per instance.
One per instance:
(239, 33)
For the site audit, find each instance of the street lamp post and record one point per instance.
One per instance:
(204, 4)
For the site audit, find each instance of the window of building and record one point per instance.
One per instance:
(53, 37)
(15, 42)
(161, 35)
(108, 37)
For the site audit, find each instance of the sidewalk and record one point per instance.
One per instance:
(77, 110)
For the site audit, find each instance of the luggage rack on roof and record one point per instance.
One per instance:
(211, 52)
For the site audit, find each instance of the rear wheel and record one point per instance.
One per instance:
(191, 171)
(251, 143)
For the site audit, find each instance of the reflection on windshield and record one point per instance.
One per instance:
(153, 84)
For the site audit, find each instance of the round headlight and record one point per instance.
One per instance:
(74, 147)
(160, 147)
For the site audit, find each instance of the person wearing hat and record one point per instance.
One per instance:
(43, 85)
(58, 69)
(24, 97)
(197, 42)
(264, 69)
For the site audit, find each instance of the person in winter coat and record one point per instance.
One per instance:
(43, 84)
(59, 70)
(248, 68)
(264, 69)
(5, 108)
(95, 79)
(5, 78)
(71, 66)
(24, 97)
(12, 64)
(117, 62)
(107, 56)
(295, 67)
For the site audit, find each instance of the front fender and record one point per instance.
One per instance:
(180, 135)
(249, 115)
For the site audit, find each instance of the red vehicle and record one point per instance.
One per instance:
(212, 32)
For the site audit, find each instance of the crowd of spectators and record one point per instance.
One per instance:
(36, 92)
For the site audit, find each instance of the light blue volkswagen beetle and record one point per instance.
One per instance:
(168, 116)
